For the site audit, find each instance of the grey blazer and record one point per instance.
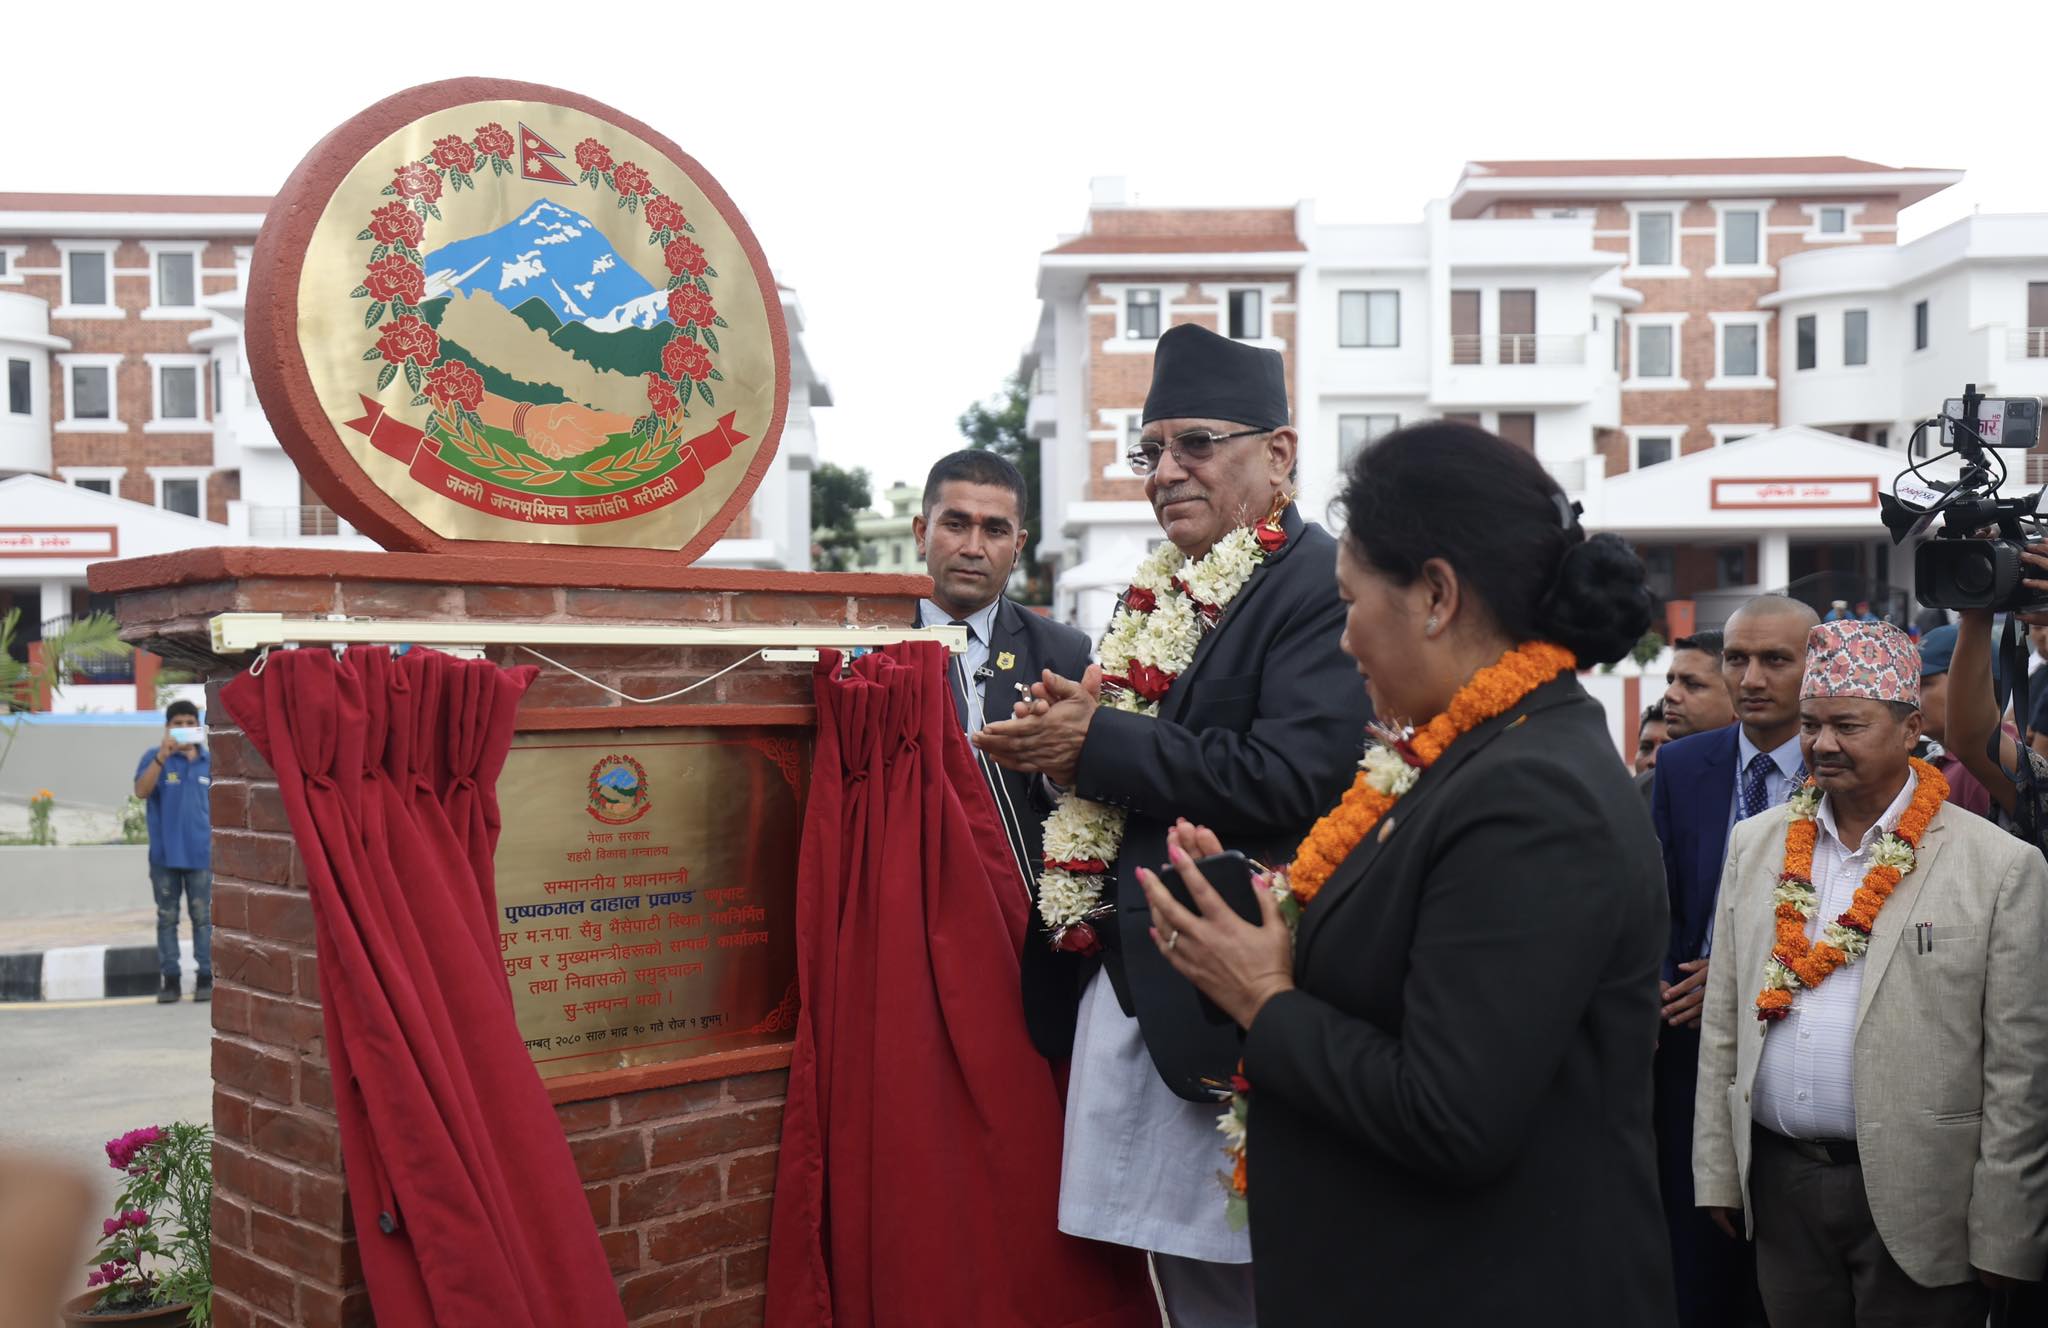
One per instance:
(1951, 1049)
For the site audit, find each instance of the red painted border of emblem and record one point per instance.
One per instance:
(286, 388)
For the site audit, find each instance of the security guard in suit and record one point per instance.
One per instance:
(970, 532)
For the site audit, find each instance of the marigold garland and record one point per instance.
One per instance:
(1392, 764)
(1798, 961)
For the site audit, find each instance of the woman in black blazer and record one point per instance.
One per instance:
(1448, 1063)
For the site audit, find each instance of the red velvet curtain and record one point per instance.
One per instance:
(467, 1204)
(918, 1183)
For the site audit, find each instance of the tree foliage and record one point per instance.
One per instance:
(87, 640)
(838, 498)
(997, 425)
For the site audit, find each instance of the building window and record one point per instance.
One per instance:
(1808, 338)
(1616, 330)
(1369, 318)
(1462, 417)
(177, 279)
(1741, 238)
(1355, 432)
(1920, 325)
(95, 486)
(1832, 221)
(1247, 315)
(92, 396)
(89, 277)
(216, 385)
(2037, 320)
(1739, 349)
(1518, 427)
(1855, 336)
(1656, 239)
(1731, 566)
(1656, 351)
(1141, 315)
(18, 400)
(177, 392)
(1653, 450)
(179, 495)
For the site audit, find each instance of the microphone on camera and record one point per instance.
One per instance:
(984, 673)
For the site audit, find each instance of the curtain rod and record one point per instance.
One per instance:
(236, 633)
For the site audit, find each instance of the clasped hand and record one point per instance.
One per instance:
(1235, 964)
(1047, 727)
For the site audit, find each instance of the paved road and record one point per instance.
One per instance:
(72, 1076)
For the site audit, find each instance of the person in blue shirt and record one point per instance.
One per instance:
(175, 782)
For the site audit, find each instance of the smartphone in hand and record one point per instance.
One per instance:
(1229, 875)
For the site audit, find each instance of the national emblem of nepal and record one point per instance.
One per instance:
(495, 439)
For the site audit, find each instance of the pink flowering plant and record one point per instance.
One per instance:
(154, 1250)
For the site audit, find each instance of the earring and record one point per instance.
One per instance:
(1429, 628)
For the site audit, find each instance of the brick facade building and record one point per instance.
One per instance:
(131, 426)
(1746, 322)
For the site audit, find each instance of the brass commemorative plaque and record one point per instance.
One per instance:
(647, 891)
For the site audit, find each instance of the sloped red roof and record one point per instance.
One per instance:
(1684, 166)
(214, 203)
(1180, 244)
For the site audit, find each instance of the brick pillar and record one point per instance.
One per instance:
(678, 1160)
(38, 692)
(146, 667)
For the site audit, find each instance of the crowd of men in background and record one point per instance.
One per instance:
(1721, 745)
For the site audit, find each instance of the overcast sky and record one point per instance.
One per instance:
(904, 165)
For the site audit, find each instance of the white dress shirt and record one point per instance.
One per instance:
(1806, 1076)
(981, 625)
(1787, 773)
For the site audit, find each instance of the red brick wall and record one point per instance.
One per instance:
(1692, 410)
(132, 337)
(679, 1175)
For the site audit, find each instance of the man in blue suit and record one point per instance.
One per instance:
(1706, 783)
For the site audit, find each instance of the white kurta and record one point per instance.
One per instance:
(1141, 1166)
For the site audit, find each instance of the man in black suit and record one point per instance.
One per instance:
(970, 532)
(1255, 738)
(1707, 780)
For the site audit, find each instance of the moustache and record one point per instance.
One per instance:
(1179, 494)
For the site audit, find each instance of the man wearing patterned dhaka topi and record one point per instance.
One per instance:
(1870, 1100)
(1222, 695)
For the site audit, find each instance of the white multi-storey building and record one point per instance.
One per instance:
(1733, 407)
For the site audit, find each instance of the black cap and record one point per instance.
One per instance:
(1197, 375)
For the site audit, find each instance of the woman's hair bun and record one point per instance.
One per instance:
(1599, 602)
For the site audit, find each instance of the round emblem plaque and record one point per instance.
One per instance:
(485, 313)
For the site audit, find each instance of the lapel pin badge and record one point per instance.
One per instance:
(1386, 829)
(1006, 660)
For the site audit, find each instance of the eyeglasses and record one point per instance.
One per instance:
(1191, 448)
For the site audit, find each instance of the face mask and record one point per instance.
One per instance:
(187, 737)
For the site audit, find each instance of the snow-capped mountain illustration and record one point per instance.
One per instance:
(554, 254)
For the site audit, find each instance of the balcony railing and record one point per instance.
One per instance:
(1518, 348)
(2026, 343)
(1570, 473)
(2037, 470)
(293, 522)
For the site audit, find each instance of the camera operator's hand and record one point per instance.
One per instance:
(2035, 555)
(1973, 710)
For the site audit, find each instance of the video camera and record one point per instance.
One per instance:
(1963, 566)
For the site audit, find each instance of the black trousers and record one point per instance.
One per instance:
(1819, 1260)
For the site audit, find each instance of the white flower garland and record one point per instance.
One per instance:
(1162, 639)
